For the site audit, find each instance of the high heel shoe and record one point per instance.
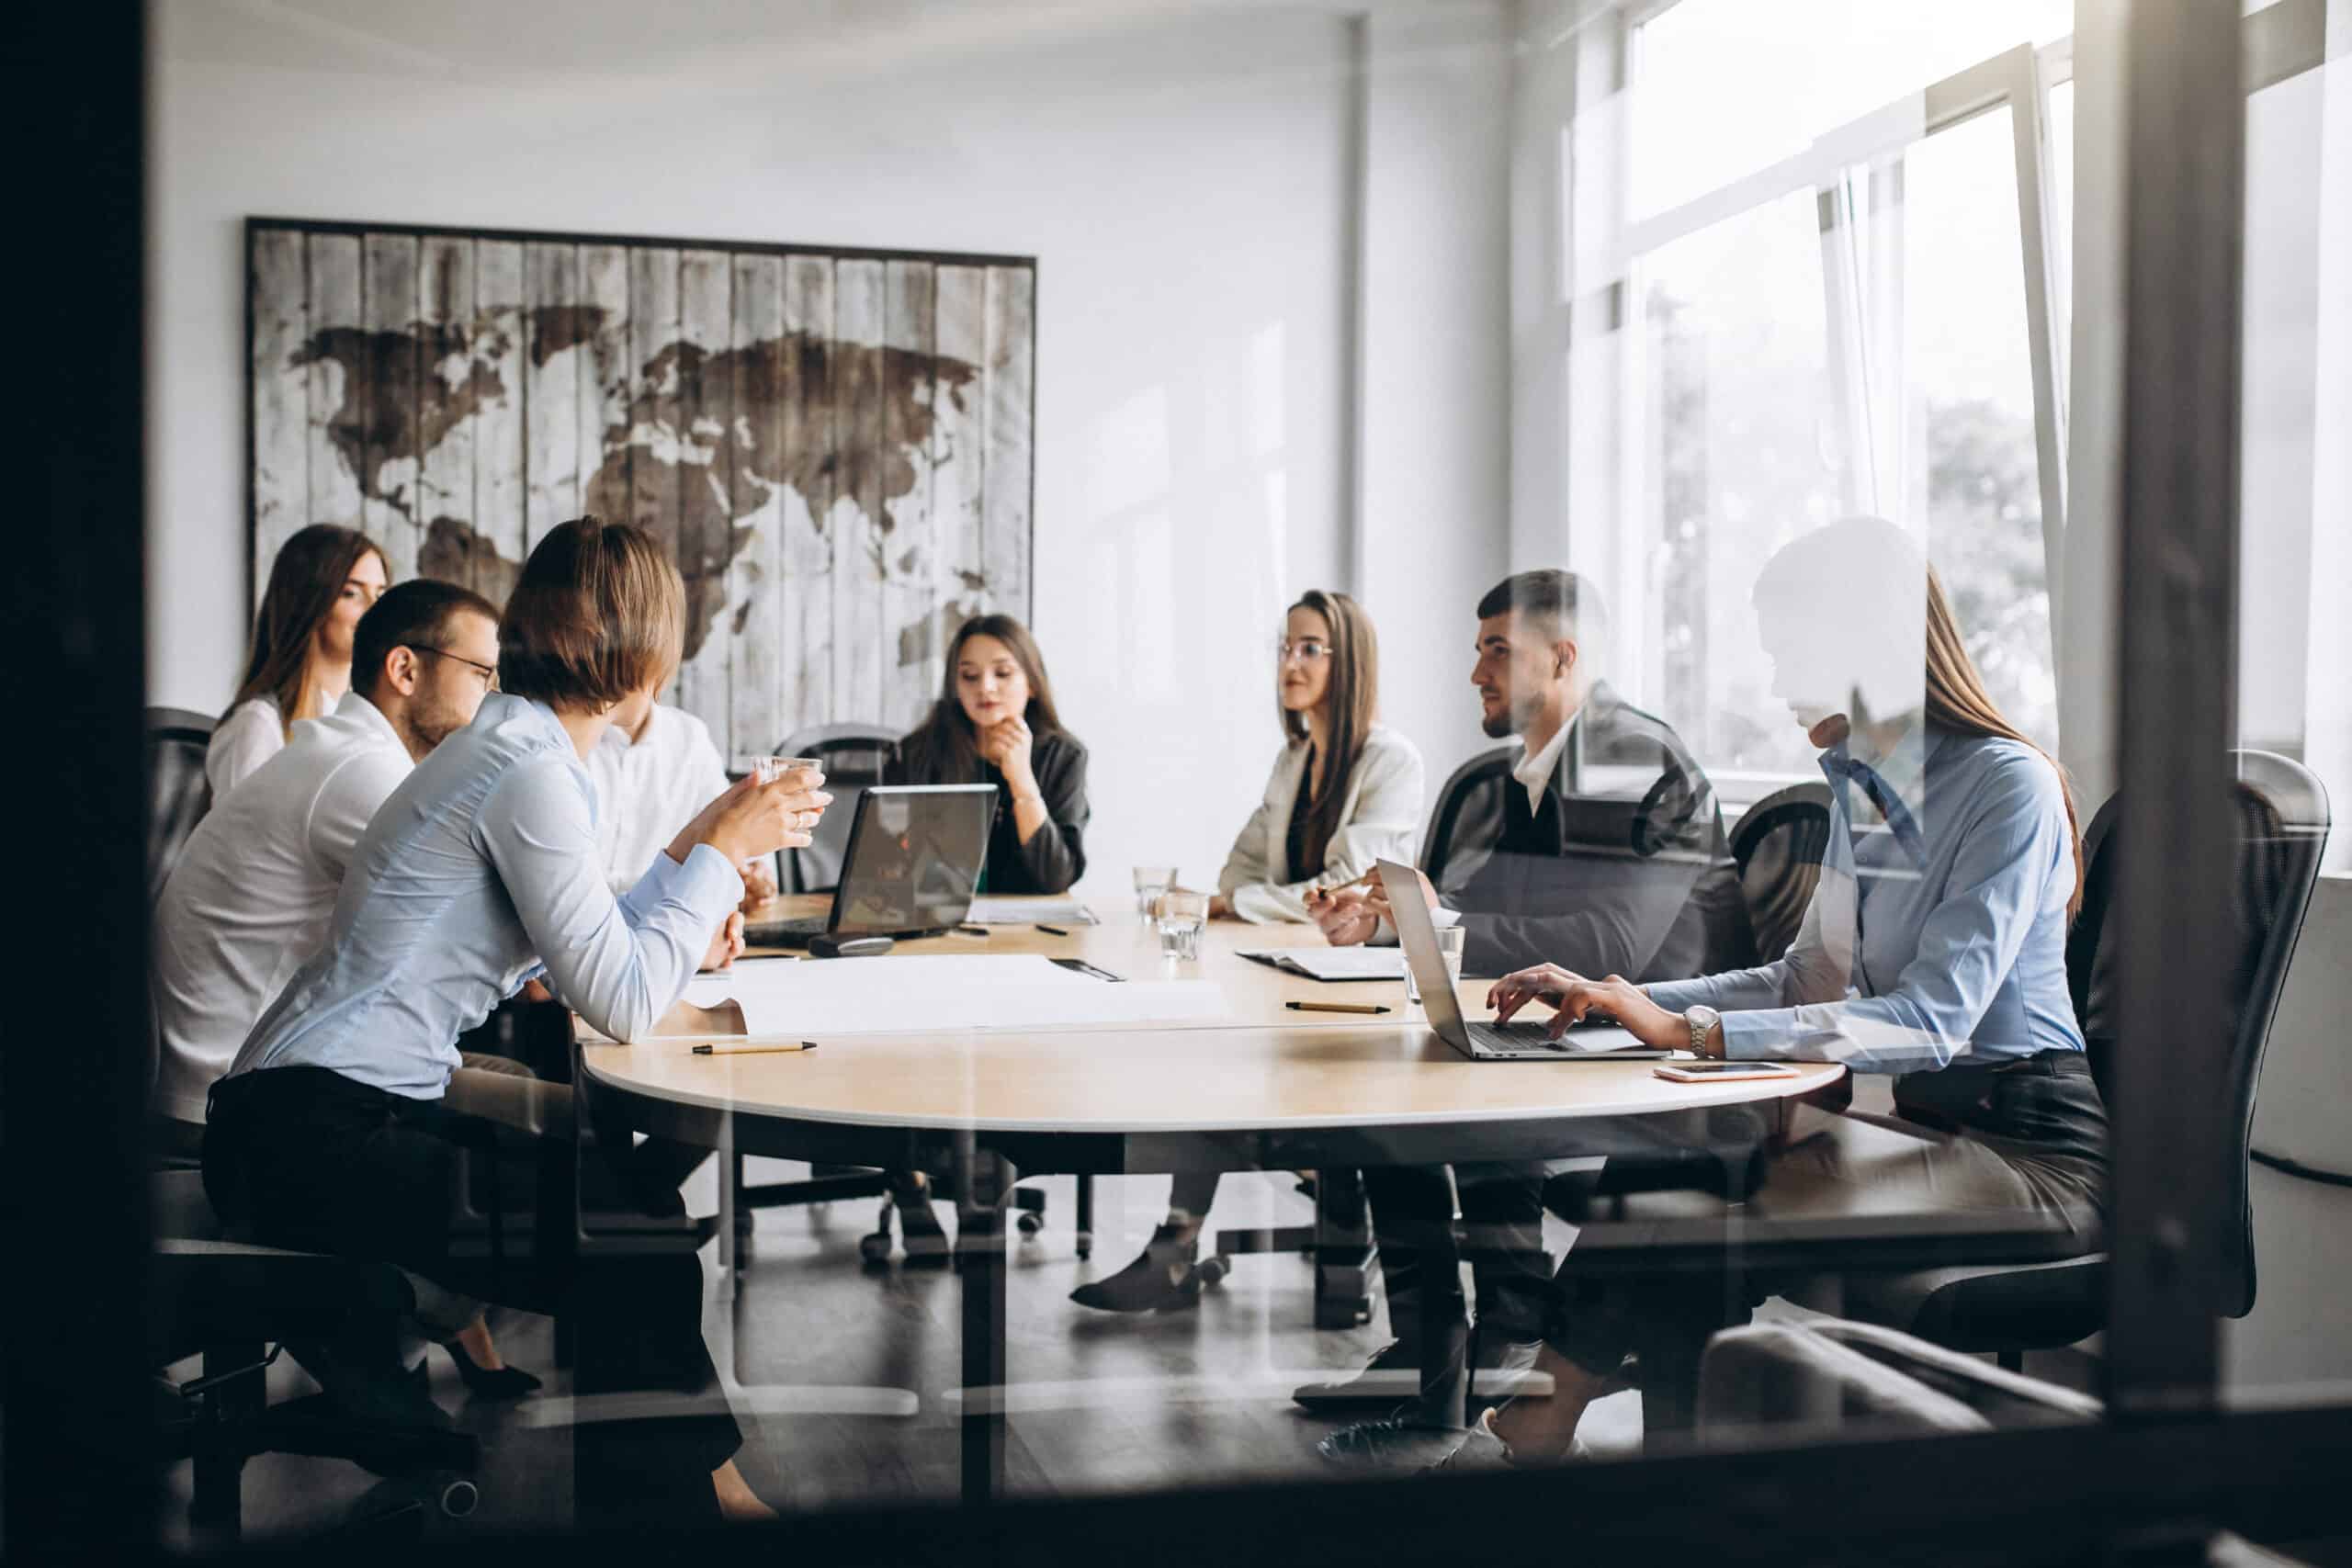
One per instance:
(486, 1382)
(919, 1231)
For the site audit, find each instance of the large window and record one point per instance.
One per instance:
(1840, 308)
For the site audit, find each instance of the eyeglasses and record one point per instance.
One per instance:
(1310, 650)
(489, 672)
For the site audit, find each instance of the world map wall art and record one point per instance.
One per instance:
(836, 443)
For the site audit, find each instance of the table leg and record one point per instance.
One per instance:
(982, 1182)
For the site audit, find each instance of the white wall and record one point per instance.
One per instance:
(1185, 176)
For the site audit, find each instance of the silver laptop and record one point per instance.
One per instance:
(1526, 1040)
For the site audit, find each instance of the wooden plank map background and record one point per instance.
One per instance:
(836, 443)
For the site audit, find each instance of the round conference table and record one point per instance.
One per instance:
(1263, 1088)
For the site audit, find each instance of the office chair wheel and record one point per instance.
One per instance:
(1085, 1245)
(1029, 1224)
(875, 1248)
(456, 1496)
(1211, 1269)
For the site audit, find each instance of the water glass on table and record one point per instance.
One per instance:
(1183, 915)
(1151, 881)
(1449, 947)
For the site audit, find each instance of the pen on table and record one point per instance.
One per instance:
(752, 1050)
(1051, 930)
(971, 931)
(1335, 1007)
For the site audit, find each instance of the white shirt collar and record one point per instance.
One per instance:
(369, 718)
(1535, 771)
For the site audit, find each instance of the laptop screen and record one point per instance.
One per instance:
(1418, 935)
(915, 853)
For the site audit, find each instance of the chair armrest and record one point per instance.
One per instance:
(526, 1105)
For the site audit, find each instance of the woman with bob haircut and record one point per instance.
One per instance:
(1346, 793)
(479, 874)
(323, 579)
(995, 723)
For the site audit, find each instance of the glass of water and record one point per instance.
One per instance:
(767, 770)
(1183, 916)
(1449, 946)
(1151, 881)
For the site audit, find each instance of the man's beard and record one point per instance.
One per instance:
(1511, 721)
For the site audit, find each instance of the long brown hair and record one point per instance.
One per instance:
(942, 749)
(1957, 700)
(1352, 699)
(304, 582)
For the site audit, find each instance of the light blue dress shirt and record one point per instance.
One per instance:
(480, 871)
(1938, 938)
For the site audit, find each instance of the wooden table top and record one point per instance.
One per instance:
(1269, 1068)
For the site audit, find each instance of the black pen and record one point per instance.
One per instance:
(1334, 1007)
(1051, 930)
(971, 931)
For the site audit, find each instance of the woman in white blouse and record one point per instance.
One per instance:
(1345, 792)
(323, 579)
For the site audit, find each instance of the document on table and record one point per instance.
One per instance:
(1334, 963)
(948, 993)
(1029, 911)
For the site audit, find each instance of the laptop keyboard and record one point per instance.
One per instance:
(1515, 1037)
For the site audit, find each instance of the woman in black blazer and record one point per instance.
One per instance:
(995, 723)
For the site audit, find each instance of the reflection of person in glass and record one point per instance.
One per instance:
(1346, 793)
(1934, 949)
(995, 723)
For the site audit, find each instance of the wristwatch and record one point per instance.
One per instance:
(1703, 1022)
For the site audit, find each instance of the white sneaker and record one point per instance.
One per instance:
(1482, 1450)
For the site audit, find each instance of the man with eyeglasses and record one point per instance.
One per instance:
(251, 896)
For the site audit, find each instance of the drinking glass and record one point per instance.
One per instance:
(1449, 947)
(1151, 881)
(767, 770)
(1183, 914)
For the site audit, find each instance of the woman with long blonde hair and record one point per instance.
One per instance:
(1346, 793)
(1934, 951)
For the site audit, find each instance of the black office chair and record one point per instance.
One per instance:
(854, 756)
(1464, 801)
(2282, 827)
(178, 792)
(1778, 845)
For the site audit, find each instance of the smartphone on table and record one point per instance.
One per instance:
(1723, 1072)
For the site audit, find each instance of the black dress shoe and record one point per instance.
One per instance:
(1405, 1438)
(485, 1382)
(1392, 1374)
(1162, 1279)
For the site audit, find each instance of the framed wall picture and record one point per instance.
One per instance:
(837, 443)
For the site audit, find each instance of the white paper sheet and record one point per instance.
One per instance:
(948, 993)
(1028, 912)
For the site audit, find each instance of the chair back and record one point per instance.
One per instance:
(855, 756)
(1458, 809)
(2281, 825)
(177, 793)
(1778, 846)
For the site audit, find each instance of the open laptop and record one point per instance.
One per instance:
(914, 859)
(1525, 1041)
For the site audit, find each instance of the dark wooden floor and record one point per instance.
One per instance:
(845, 1377)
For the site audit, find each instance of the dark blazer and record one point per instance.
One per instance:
(1621, 868)
(1054, 856)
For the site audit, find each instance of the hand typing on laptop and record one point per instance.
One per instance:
(1581, 1001)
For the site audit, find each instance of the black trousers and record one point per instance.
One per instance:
(307, 1158)
(1502, 1225)
(2026, 1136)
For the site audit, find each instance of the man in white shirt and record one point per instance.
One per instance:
(250, 898)
(655, 767)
